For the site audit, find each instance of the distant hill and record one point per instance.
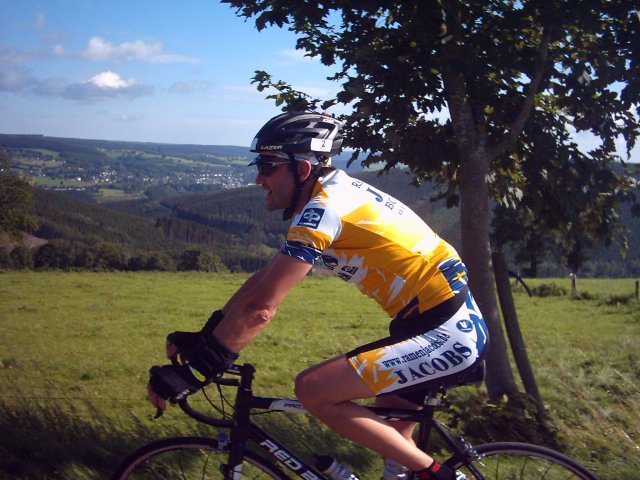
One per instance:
(232, 224)
(104, 170)
(161, 200)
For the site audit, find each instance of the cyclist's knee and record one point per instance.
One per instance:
(302, 387)
(307, 391)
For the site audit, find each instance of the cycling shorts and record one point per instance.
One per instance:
(411, 364)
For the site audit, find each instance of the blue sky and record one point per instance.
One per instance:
(142, 70)
(146, 70)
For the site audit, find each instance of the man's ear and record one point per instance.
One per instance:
(304, 170)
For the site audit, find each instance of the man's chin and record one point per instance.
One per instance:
(271, 207)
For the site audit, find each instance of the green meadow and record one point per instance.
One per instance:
(75, 349)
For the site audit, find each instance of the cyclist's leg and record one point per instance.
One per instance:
(395, 401)
(327, 390)
(397, 365)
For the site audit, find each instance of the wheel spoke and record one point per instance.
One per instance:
(518, 461)
(188, 459)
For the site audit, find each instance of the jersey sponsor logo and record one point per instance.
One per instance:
(456, 355)
(465, 326)
(329, 262)
(347, 272)
(311, 217)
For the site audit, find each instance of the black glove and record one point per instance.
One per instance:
(174, 382)
(203, 350)
(211, 324)
(188, 342)
(211, 358)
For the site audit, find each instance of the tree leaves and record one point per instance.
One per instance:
(513, 76)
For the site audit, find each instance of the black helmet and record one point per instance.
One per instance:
(300, 132)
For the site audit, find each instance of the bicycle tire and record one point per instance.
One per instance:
(189, 458)
(519, 461)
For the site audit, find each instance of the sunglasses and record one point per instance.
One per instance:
(267, 168)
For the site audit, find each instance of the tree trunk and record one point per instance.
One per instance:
(516, 340)
(476, 252)
(474, 211)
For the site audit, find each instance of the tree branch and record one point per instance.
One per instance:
(510, 138)
(453, 79)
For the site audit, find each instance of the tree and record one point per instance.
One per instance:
(20, 258)
(51, 255)
(111, 256)
(204, 261)
(190, 260)
(16, 201)
(467, 93)
(565, 219)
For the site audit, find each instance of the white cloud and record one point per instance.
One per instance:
(316, 91)
(297, 55)
(110, 79)
(104, 86)
(191, 86)
(100, 49)
(40, 21)
(128, 117)
(10, 55)
(46, 34)
(13, 78)
(16, 78)
(289, 57)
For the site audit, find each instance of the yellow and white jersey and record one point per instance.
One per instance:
(369, 238)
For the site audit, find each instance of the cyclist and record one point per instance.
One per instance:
(367, 238)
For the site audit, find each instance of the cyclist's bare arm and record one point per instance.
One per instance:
(248, 285)
(253, 307)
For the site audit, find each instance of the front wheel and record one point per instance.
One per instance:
(520, 461)
(189, 458)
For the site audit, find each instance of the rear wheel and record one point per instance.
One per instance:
(189, 458)
(520, 461)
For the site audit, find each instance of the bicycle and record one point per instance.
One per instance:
(228, 457)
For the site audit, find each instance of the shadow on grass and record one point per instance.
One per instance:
(54, 440)
(70, 440)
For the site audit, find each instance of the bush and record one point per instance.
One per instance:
(548, 290)
(20, 258)
(620, 299)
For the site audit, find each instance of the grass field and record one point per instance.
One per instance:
(75, 350)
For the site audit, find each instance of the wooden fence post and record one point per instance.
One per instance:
(637, 290)
(574, 287)
(513, 330)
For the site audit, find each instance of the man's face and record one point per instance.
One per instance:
(277, 181)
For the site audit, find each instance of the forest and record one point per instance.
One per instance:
(224, 230)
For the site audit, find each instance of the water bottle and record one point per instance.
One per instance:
(394, 471)
(332, 469)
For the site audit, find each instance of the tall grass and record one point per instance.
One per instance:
(75, 350)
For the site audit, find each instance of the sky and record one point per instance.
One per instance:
(147, 70)
(142, 70)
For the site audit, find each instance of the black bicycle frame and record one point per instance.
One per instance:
(243, 429)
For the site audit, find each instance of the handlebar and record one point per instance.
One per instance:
(208, 419)
(202, 417)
